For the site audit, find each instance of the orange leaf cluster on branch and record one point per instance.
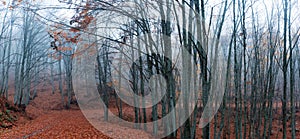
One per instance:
(73, 35)
(83, 17)
(63, 36)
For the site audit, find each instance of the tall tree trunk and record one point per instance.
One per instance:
(52, 76)
(9, 54)
(203, 63)
(237, 80)
(60, 82)
(284, 70)
(292, 78)
(68, 69)
(244, 35)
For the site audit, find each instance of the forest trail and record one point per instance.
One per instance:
(55, 124)
(46, 118)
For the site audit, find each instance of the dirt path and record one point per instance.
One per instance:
(50, 120)
(55, 124)
(65, 124)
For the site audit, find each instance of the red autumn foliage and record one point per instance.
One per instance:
(73, 34)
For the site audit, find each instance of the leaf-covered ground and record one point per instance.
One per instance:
(55, 124)
(45, 118)
(8, 113)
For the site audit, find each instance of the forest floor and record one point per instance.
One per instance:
(45, 117)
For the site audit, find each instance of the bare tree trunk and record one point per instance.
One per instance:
(36, 81)
(185, 129)
(203, 63)
(244, 35)
(292, 78)
(237, 81)
(68, 69)
(2, 62)
(9, 55)
(284, 70)
(60, 82)
(52, 76)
